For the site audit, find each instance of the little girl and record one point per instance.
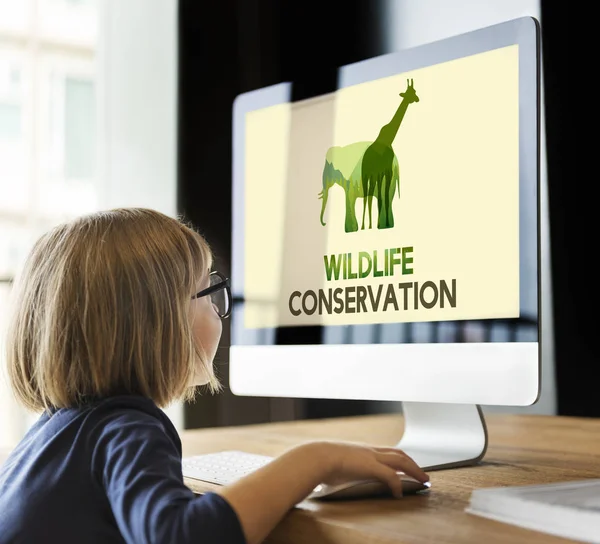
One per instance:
(110, 325)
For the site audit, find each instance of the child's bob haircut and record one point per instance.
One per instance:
(101, 308)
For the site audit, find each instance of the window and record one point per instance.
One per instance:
(47, 138)
(73, 80)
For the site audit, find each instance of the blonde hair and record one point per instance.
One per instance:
(101, 308)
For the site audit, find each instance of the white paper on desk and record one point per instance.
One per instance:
(566, 509)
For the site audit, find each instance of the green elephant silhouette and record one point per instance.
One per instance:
(343, 167)
(368, 169)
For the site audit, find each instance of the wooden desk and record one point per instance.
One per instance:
(522, 450)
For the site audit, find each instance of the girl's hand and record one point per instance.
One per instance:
(347, 462)
(263, 497)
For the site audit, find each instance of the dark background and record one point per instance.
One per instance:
(233, 46)
(567, 44)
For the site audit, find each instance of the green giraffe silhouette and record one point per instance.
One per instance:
(380, 174)
(343, 167)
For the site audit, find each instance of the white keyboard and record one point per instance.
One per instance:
(224, 467)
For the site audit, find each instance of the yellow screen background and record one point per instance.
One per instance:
(458, 155)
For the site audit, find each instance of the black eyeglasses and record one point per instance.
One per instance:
(220, 294)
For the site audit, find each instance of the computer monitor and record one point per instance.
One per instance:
(397, 220)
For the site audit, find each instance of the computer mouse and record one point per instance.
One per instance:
(366, 488)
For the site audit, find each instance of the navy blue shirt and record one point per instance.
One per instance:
(109, 471)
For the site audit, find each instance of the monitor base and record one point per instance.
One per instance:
(439, 436)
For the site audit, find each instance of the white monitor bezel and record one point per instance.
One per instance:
(491, 373)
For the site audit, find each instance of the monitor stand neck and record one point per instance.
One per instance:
(439, 436)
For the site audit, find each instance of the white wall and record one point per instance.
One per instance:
(137, 101)
(414, 22)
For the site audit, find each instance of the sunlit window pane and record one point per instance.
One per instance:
(68, 138)
(74, 21)
(14, 166)
(10, 121)
(15, 241)
(79, 129)
(15, 15)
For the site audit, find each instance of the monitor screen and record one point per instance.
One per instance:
(401, 208)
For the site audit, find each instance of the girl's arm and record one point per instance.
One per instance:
(262, 498)
(137, 467)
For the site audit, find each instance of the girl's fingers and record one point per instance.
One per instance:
(389, 449)
(388, 476)
(396, 451)
(402, 463)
